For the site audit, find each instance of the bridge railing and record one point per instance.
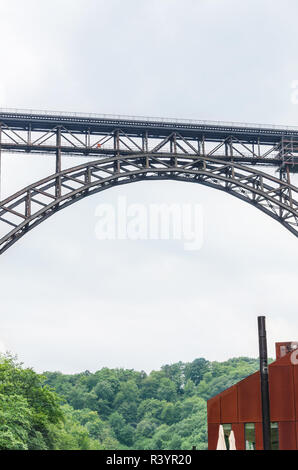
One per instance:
(152, 119)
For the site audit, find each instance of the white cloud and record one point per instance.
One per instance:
(2, 347)
(71, 302)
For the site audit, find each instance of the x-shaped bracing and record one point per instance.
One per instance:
(30, 206)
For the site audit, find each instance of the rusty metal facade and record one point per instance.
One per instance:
(241, 404)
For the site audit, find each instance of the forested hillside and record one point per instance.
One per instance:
(112, 408)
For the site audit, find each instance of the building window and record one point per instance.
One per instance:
(274, 436)
(250, 436)
(227, 431)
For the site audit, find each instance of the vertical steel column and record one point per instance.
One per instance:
(231, 147)
(117, 151)
(145, 142)
(88, 175)
(0, 161)
(264, 383)
(116, 143)
(226, 148)
(87, 138)
(28, 204)
(58, 161)
(175, 149)
(29, 135)
(203, 146)
(281, 177)
(288, 175)
(289, 182)
(145, 149)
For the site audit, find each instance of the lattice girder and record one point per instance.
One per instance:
(30, 206)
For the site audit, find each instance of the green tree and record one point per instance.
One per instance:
(28, 406)
(146, 427)
(15, 423)
(196, 369)
(190, 388)
(166, 390)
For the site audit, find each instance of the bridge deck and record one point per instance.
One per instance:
(123, 149)
(134, 126)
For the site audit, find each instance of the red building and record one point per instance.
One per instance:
(239, 407)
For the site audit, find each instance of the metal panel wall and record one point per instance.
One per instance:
(281, 386)
(213, 430)
(249, 399)
(287, 435)
(213, 410)
(229, 405)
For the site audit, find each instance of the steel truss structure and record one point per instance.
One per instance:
(123, 150)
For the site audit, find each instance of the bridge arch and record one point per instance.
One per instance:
(27, 208)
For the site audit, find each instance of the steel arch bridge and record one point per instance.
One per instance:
(235, 158)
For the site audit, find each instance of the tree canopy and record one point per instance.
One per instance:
(112, 408)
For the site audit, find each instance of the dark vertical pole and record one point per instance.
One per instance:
(264, 383)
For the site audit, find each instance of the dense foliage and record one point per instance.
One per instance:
(112, 408)
(166, 409)
(31, 415)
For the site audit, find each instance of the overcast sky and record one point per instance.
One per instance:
(70, 302)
